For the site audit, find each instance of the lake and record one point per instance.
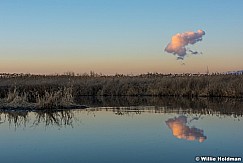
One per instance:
(125, 129)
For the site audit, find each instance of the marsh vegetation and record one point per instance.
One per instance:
(60, 91)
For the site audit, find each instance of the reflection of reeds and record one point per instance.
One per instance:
(19, 119)
(121, 105)
(16, 118)
(61, 118)
(216, 106)
(226, 105)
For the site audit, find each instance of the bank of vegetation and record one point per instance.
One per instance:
(57, 90)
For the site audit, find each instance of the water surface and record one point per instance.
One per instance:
(171, 130)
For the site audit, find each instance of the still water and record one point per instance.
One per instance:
(150, 130)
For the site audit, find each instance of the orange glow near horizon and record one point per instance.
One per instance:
(122, 64)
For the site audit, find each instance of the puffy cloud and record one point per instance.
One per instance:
(182, 131)
(178, 43)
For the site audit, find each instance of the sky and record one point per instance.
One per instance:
(111, 36)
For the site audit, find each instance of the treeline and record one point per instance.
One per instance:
(218, 85)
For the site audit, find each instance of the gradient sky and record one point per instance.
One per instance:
(111, 36)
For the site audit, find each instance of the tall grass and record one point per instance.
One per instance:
(61, 98)
(40, 88)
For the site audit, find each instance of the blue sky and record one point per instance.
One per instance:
(108, 36)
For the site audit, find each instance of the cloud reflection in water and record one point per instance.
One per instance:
(181, 130)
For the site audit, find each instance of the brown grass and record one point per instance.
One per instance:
(50, 100)
(59, 99)
(60, 90)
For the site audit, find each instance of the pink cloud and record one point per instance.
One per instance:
(178, 43)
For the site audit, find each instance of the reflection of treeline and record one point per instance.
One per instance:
(14, 118)
(226, 106)
(59, 118)
(46, 118)
(127, 106)
(121, 85)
